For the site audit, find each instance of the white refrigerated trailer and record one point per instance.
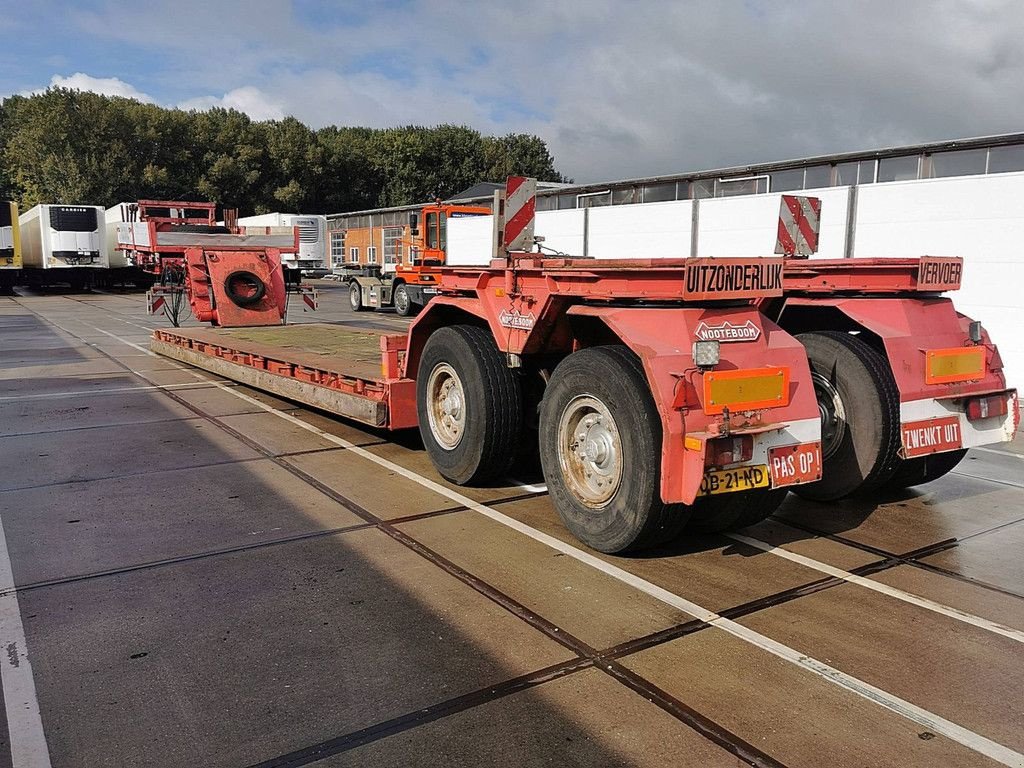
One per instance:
(63, 244)
(311, 260)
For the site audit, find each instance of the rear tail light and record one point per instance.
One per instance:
(729, 450)
(986, 407)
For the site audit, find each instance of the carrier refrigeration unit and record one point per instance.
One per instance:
(63, 244)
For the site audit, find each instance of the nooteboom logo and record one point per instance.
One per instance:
(748, 331)
(515, 320)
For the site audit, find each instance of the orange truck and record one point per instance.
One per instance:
(408, 287)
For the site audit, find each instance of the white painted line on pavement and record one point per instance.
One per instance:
(24, 723)
(885, 589)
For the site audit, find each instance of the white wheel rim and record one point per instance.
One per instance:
(353, 297)
(446, 406)
(590, 451)
(401, 298)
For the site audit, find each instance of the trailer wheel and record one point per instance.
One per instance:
(244, 288)
(860, 416)
(600, 448)
(469, 403)
(729, 511)
(355, 297)
(403, 304)
(924, 469)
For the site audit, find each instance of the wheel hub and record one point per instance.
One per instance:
(590, 451)
(832, 413)
(446, 406)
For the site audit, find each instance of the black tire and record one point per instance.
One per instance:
(862, 452)
(480, 443)
(403, 304)
(355, 297)
(202, 229)
(924, 469)
(257, 289)
(633, 516)
(729, 511)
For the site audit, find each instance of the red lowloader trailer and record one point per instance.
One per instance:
(660, 394)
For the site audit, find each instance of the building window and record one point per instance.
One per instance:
(625, 196)
(338, 246)
(353, 254)
(965, 162)
(593, 199)
(818, 176)
(371, 254)
(787, 181)
(659, 193)
(392, 245)
(547, 202)
(1006, 159)
(566, 201)
(898, 168)
(752, 185)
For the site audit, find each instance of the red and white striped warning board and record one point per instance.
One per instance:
(799, 221)
(520, 211)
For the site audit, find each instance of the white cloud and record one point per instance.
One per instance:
(616, 90)
(248, 99)
(108, 86)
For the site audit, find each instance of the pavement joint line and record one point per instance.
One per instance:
(97, 426)
(24, 722)
(451, 510)
(910, 561)
(140, 473)
(106, 391)
(179, 559)
(988, 479)
(1011, 454)
(881, 588)
(720, 735)
(884, 699)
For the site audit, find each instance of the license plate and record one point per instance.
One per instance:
(931, 436)
(729, 480)
(794, 464)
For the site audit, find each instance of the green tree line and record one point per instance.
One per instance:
(68, 146)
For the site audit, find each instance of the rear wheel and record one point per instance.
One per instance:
(355, 297)
(924, 469)
(403, 304)
(600, 448)
(860, 418)
(729, 511)
(469, 403)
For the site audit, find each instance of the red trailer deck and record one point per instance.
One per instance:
(351, 373)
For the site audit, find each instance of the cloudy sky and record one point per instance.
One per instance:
(617, 89)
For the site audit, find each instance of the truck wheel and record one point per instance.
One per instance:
(860, 415)
(403, 304)
(600, 448)
(469, 403)
(729, 511)
(355, 297)
(924, 469)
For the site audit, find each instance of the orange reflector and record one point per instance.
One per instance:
(944, 366)
(747, 389)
